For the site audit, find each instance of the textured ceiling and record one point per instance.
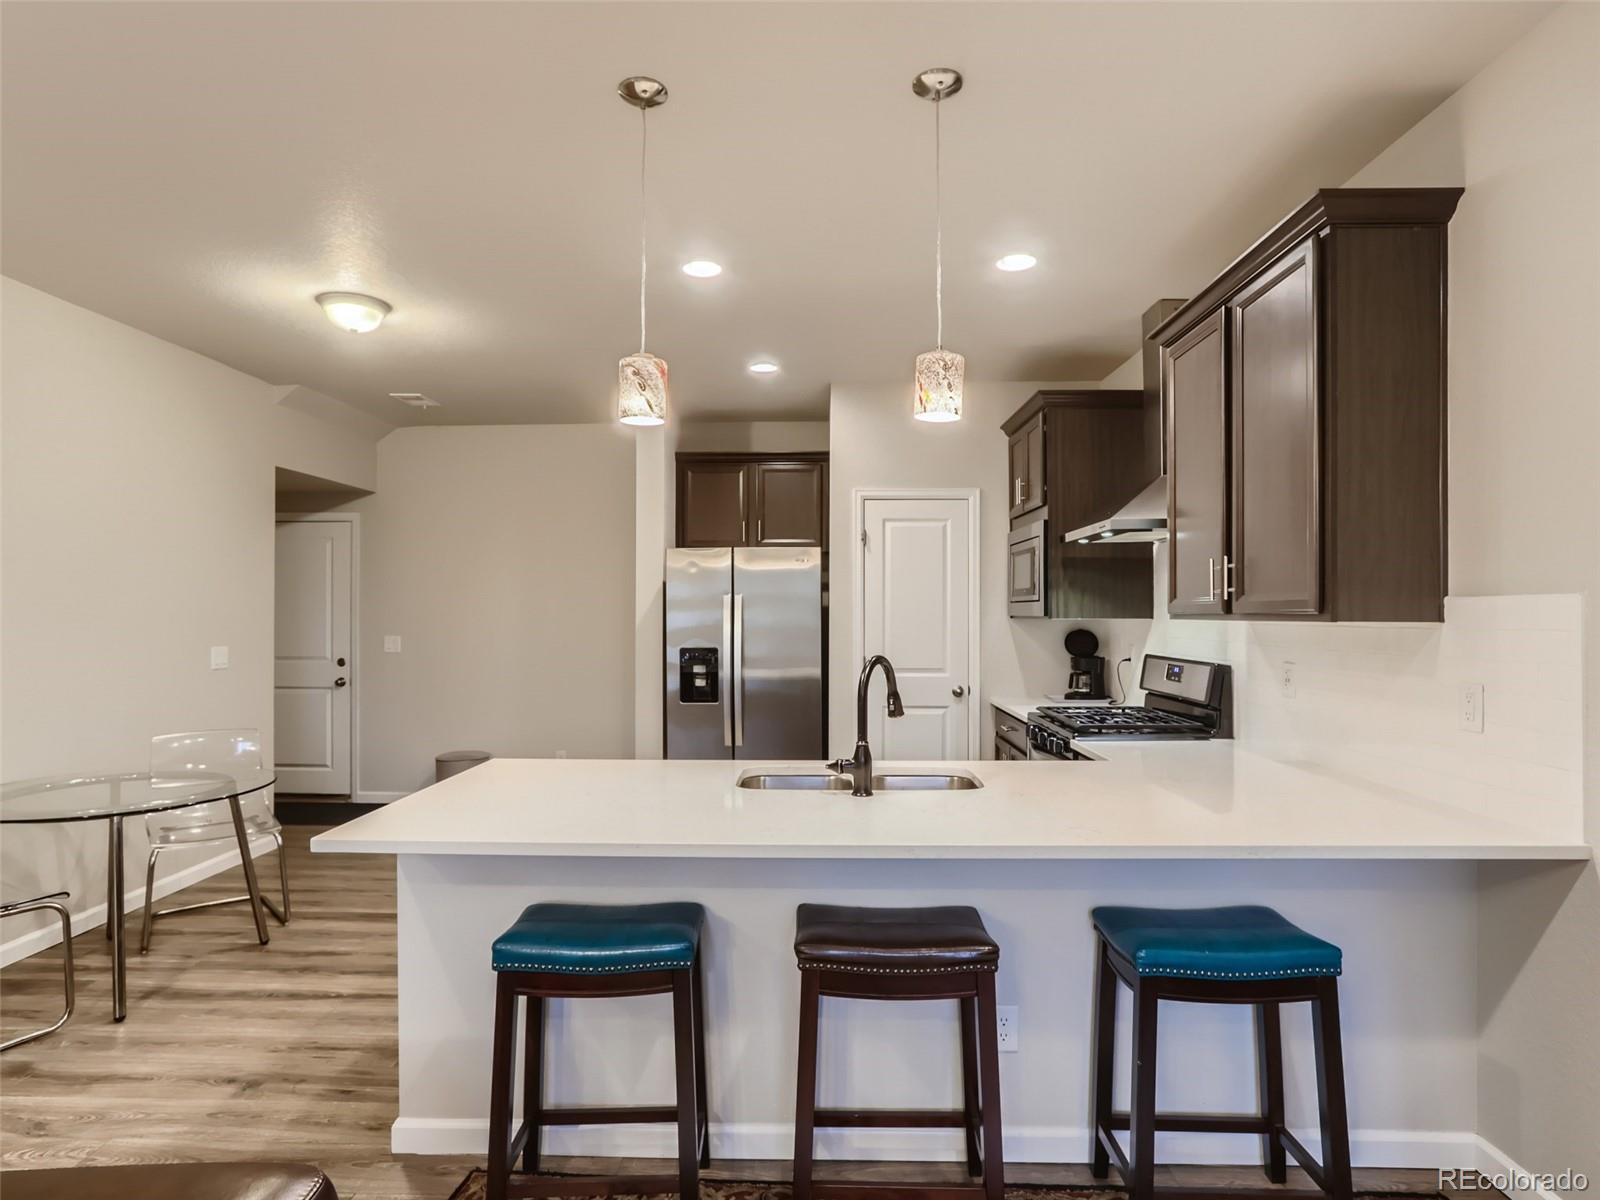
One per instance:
(201, 170)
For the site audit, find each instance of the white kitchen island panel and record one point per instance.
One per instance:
(1407, 929)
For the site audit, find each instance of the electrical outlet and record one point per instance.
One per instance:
(1006, 1025)
(219, 658)
(1471, 717)
(391, 643)
(1286, 680)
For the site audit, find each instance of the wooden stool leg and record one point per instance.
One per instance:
(1142, 1125)
(1105, 1049)
(533, 1081)
(501, 1071)
(969, 1081)
(703, 1121)
(1331, 1112)
(688, 1101)
(1269, 1088)
(805, 1101)
(994, 1169)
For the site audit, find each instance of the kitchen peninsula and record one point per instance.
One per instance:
(1386, 874)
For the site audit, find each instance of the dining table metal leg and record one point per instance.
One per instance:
(250, 883)
(116, 890)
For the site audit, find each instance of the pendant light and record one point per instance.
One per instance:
(940, 373)
(642, 377)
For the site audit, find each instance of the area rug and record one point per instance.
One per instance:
(472, 1188)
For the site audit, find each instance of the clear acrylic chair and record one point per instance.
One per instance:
(174, 760)
(51, 903)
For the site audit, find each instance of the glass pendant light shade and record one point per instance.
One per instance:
(641, 390)
(941, 375)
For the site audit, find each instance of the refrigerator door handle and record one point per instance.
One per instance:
(737, 690)
(727, 659)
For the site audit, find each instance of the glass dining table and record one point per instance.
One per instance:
(114, 798)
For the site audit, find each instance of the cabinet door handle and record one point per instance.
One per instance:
(1211, 581)
(1230, 576)
(760, 527)
(1016, 492)
(1008, 729)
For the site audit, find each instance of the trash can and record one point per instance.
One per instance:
(453, 762)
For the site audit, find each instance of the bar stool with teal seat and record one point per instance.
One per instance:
(592, 950)
(1245, 954)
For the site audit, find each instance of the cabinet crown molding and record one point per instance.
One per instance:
(1327, 208)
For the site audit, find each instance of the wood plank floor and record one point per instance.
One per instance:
(234, 1051)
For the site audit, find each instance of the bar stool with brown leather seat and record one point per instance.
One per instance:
(902, 954)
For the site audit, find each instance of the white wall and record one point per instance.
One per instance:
(137, 532)
(655, 521)
(503, 556)
(1523, 138)
(754, 437)
(874, 442)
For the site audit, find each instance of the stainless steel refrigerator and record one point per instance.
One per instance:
(744, 653)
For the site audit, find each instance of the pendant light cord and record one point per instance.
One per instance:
(938, 223)
(644, 217)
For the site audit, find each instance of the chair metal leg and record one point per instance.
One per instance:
(149, 900)
(283, 878)
(250, 884)
(116, 894)
(68, 985)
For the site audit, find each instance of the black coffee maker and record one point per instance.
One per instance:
(1087, 679)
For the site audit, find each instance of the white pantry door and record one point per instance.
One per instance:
(917, 610)
(311, 696)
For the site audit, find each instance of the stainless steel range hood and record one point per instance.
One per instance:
(1142, 519)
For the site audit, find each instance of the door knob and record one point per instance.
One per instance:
(340, 682)
(958, 691)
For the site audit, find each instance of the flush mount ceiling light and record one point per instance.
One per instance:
(702, 268)
(1016, 262)
(763, 366)
(642, 377)
(414, 399)
(940, 373)
(353, 312)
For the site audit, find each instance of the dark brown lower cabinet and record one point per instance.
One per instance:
(1305, 394)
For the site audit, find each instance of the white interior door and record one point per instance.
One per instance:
(311, 698)
(917, 610)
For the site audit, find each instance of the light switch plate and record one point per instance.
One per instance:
(1286, 687)
(391, 643)
(219, 658)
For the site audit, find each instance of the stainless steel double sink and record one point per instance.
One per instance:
(829, 782)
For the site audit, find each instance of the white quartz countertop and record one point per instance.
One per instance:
(1203, 800)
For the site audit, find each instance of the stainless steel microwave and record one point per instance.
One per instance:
(1026, 570)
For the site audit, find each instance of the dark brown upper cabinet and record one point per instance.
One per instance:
(1304, 390)
(1194, 375)
(1091, 460)
(752, 500)
(1026, 456)
(791, 503)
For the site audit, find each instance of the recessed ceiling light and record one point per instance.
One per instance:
(414, 399)
(353, 312)
(702, 268)
(763, 366)
(1016, 262)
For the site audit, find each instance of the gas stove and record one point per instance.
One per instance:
(1185, 700)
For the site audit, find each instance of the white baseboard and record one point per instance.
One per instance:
(93, 916)
(1424, 1149)
(1511, 1177)
(378, 797)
